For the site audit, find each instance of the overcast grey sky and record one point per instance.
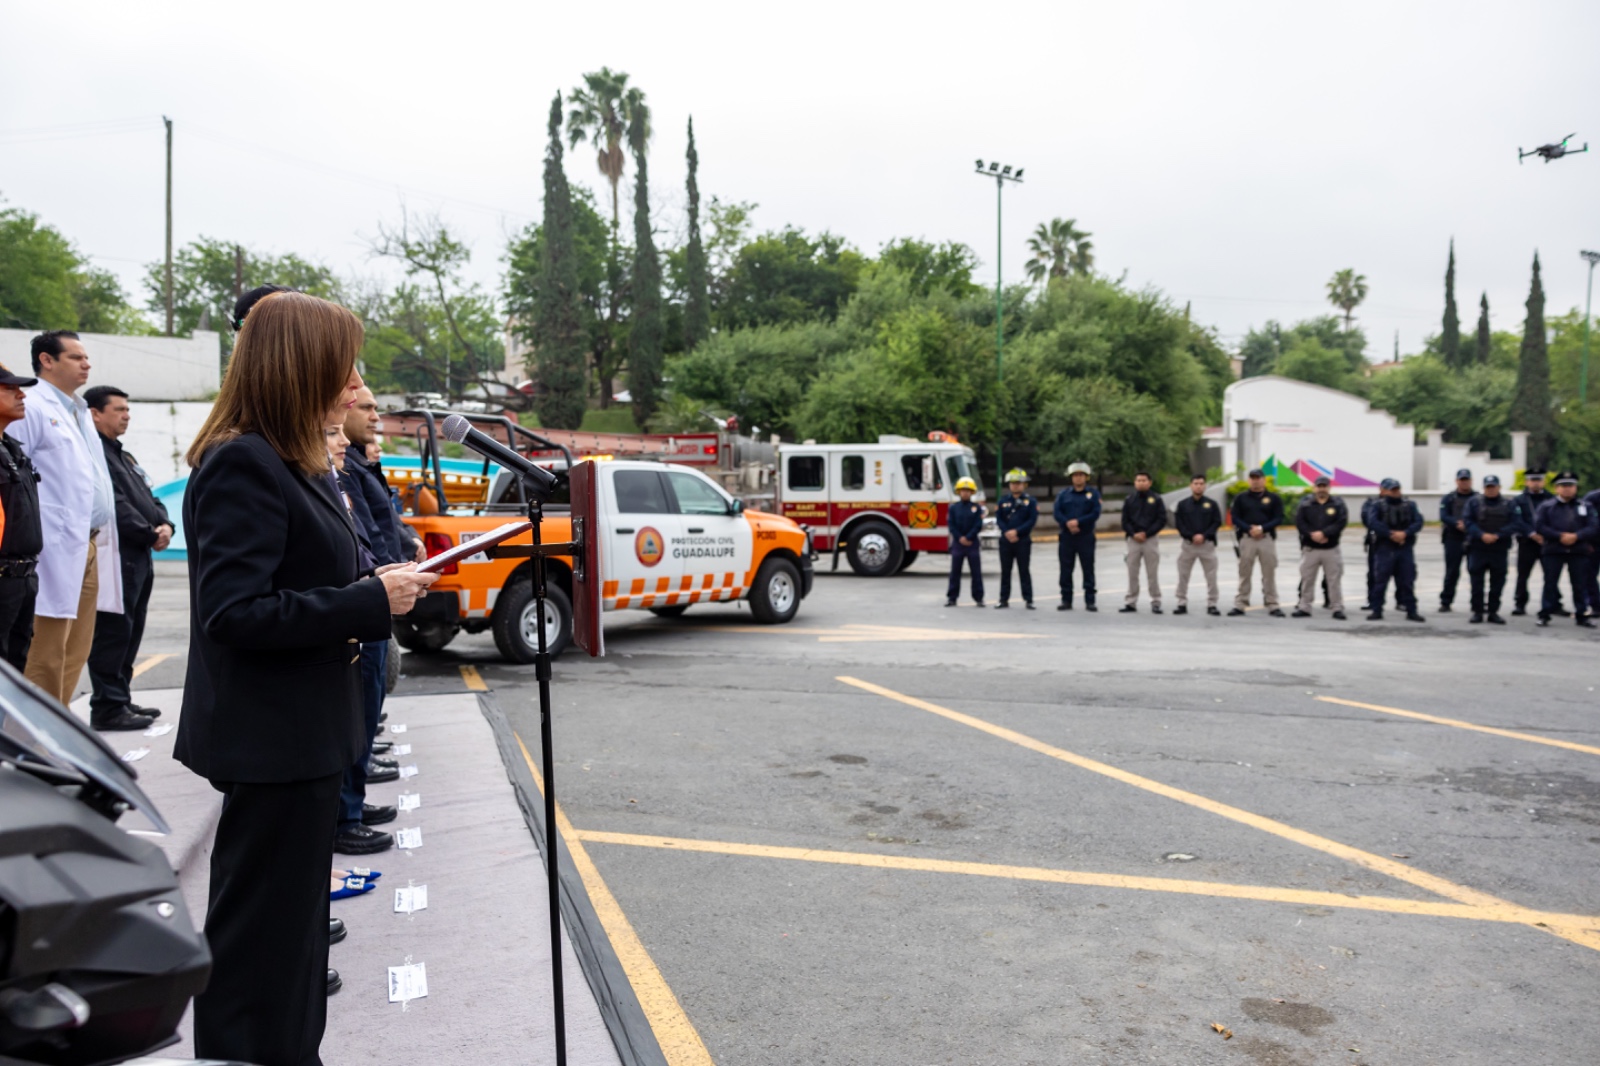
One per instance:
(1232, 154)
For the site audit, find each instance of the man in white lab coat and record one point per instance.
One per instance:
(78, 568)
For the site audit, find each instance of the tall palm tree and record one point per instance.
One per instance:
(601, 108)
(1346, 290)
(1059, 247)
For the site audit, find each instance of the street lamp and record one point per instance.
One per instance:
(1583, 372)
(1000, 175)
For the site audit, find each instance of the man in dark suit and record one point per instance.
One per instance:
(142, 528)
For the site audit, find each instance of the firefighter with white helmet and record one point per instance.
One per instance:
(965, 522)
(1015, 517)
(1077, 511)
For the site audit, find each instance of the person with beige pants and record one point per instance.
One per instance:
(1197, 520)
(1257, 513)
(1321, 519)
(1144, 516)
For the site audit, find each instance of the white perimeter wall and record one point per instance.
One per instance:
(146, 368)
(160, 433)
(1303, 421)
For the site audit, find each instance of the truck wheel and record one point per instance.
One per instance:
(427, 638)
(876, 549)
(775, 597)
(905, 564)
(391, 667)
(670, 611)
(516, 625)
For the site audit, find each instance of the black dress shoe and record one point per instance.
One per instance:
(334, 982)
(1544, 619)
(121, 722)
(1413, 616)
(1519, 612)
(1444, 608)
(1002, 605)
(1236, 612)
(361, 840)
(377, 775)
(1496, 620)
(148, 712)
(1585, 622)
(1298, 613)
(1064, 607)
(1276, 612)
(336, 930)
(1339, 615)
(383, 764)
(1128, 608)
(382, 747)
(383, 716)
(1182, 608)
(1029, 605)
(380, 731)
(978, 603)
(950, 603)
(1090, 607)
(1375, 616)
(377, 815)
(1477, 618)
(1216, 612)
(1155, 608)
(1561, 612)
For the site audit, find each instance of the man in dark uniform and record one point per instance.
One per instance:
(142, 528)
(1492, 519)
(23, 537)
(1369, 542)
(1257, 513)
(1320, 520)
(1568, 527)
(1395, 523)
(1453, 530)
(1077, 511)
(1144, 516)
(1197, 520)
(1591, 565)
(1530, 545)
(1015, 517)
(966, 523)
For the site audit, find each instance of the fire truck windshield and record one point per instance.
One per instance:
(958, 468)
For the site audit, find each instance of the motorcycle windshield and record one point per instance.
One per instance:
(33, 724)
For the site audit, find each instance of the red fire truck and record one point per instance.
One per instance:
(883, 504)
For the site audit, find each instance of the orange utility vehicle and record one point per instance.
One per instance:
(670, 538)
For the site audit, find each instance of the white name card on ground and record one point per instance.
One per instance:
(402, 749)
(408, 982)
(409, 838)
(397, 729)
(410, 900)
(408, 771)
(135, 755)
(408, 801)
(160, 730)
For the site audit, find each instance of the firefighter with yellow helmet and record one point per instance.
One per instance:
(1015, 517)
(965, 522)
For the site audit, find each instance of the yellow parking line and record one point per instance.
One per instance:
(1266, 893)
(1457, 723)
(154, 660)
(1388, 867)
(680, 1041)
(472, 679)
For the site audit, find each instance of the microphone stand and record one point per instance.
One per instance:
(547, 754)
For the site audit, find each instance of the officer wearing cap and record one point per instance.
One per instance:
(1321, 519)
(1492, 519)
(22, 537)
(1077, 510)
(1257, 513)
(1395, 523)
(1015, 517)
(1197, 520)
(1453, 531)
(1530, 545)
(1568, 526)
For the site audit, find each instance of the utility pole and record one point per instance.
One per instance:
(1583, 371)
(168, 122)
(1001, 175)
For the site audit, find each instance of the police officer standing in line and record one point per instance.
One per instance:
(1015, 517)
(1452, 518)
(1077, 511)
(1144, 516)
(1321, 519)
(1530, 545)
(1568, 527)
(1257, 513)
(1369, 543)
(23, 536)
(1591, 566)
(1197, 520)
(965, 522)
(1395, 523)
(1492, 520)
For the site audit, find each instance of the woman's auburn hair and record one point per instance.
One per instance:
(290, 363)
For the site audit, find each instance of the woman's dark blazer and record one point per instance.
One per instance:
(276, 621)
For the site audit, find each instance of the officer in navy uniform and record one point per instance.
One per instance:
(1077, 511)
(1395, 522)
(23, 538)
(1592, 567)
(1530, 545)
(1453, 531)
(966, 523)
(1369, 542)
(1492, 520)
(1015, 517)
(1568, 526)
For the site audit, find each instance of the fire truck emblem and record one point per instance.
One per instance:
(648, 546)
(924, 516)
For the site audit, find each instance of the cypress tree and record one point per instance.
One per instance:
(1482, 353)
(557, 332)
(645, 329)
(1531, 406)
(1450, 338)
(696, 311)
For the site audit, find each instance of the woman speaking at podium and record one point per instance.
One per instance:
(272, 700)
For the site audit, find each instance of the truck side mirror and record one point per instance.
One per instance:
(736, 508)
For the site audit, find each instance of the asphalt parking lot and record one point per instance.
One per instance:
(894, 833)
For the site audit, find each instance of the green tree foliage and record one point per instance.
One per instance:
(46, 284)
(645, 330)
(1059, 248)
(1310, 361)
(1532, 407)
(208, 275)
(696, 305)
(789, 277)
(929, 267)
(1346, 291)
(1484, 347)
(760, 374)
(1270, 350)
(1450, 336)
(556, 332)
(1471, 405)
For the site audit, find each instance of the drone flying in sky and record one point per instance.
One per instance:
(1548, 152)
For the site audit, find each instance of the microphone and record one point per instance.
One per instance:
(458, 430)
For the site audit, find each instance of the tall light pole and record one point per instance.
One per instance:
(1583, 368)
(168, 280)
(1001, 175)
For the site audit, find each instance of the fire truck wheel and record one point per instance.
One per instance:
(671, 611)
(516, 623)
(876, 549)
(911, 557)
(426, 638)
(775, 596)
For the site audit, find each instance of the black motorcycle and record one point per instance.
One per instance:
(98, 955)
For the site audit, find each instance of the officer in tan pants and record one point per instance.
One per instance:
(1144, 516)
(1257, 513)
(1197, 519)
(1320, 520)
